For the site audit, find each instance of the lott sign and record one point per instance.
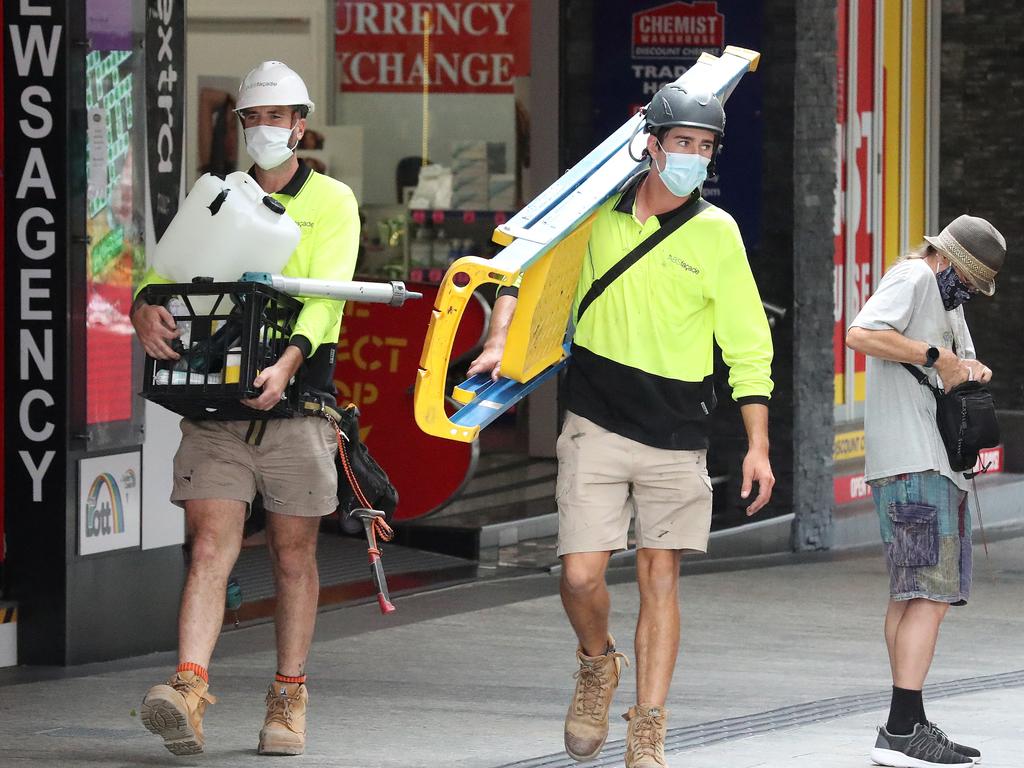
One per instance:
(109, 506)
(472, 47)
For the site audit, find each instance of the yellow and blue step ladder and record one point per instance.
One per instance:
(544, 245)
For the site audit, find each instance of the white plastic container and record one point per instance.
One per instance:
(421, 249)
(223, 228)
(178, 310)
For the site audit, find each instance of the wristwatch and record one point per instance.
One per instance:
(931, 356)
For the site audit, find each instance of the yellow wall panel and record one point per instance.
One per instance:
(917, 105)
(892, 23)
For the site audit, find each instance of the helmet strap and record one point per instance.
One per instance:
(629, 145)
(713, 165)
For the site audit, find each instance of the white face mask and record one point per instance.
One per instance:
(268, 145)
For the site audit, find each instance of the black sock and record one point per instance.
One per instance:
(905, 711)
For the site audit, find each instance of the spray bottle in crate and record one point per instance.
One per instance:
(229, 332)
(234, 331)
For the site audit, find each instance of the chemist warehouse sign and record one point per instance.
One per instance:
(472, 47)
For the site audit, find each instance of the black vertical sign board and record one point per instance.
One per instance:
(165, 107)
(36, 301)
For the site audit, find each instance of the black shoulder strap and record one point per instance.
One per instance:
(919, 375)
(631, 258)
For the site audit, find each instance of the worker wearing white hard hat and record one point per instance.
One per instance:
(220, 465)
(273, 104)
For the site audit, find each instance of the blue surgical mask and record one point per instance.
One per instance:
(682, 173)
(952, 289)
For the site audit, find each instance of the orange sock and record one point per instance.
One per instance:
(188, 666)
(279, 678)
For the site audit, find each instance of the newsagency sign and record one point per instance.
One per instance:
(35, 259)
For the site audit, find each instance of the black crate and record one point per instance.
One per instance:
(253, 318)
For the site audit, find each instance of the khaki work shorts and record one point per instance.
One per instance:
(604, 479)
(292, 467)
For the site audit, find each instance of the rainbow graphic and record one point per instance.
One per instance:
(105, 480)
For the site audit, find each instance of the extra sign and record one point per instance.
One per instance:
(165, 107)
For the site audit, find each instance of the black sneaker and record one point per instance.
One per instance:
(920, 749)
(944, 740)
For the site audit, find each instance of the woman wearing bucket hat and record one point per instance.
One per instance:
(975, 247)
(916, 316)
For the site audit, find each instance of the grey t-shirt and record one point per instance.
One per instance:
(900, 433)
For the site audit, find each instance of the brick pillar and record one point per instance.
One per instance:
(814, 119)
(981, 162)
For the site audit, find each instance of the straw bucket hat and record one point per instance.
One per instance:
(976, 247)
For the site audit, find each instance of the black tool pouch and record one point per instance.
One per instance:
(362, 482)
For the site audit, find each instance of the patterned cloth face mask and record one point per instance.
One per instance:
(952, 289)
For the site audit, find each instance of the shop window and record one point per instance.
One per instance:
(440, 91)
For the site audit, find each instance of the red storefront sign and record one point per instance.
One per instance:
(3, 351)
(377, 360)
(855, 225)
(853, 487)
(839, 218)
(678, 30)
(473, 47)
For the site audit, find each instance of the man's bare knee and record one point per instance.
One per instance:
(581, 578)
(294, 561)
(214, 535)
(209, 555)
(658, 574)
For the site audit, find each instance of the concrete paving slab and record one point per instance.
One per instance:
(989, 721)
(478, 676)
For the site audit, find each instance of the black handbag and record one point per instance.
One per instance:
(966, 417)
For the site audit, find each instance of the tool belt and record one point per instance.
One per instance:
(362, 482)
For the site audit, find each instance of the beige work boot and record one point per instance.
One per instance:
(284, 729)
(586, 723)
(174, 712)
(645, 736)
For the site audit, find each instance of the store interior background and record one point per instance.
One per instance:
(366, 136)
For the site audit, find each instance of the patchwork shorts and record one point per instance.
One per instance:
(289, 461)
(926, 528)
(605, 478)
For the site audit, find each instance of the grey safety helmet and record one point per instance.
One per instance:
(675, 106)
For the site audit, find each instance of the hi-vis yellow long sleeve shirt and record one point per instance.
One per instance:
(328, 217)
(643, 352)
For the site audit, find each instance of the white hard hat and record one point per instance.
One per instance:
(272, 83)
